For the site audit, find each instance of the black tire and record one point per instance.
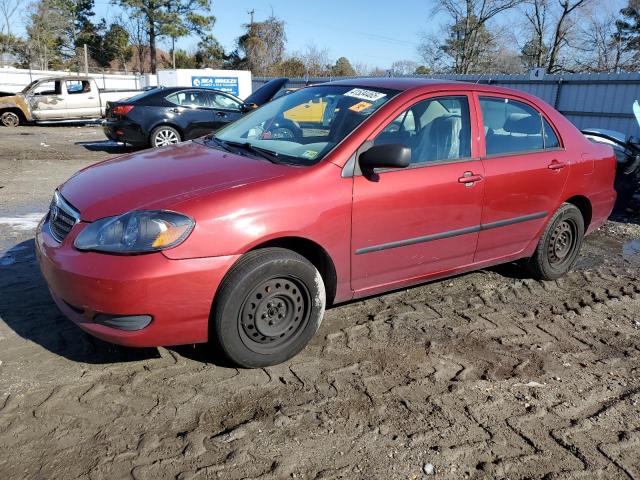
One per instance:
(10, 119)
(163, 136)
(268, 307)
(559, 245)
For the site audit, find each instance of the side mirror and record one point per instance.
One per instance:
(247, 107)
(385, 156)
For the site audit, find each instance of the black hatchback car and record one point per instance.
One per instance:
(164, 116)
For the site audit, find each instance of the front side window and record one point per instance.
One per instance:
(218, 100)
(302, 127)
(513, 127)
(437, 129)
(47, 88)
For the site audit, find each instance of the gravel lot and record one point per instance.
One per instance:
(488, 374)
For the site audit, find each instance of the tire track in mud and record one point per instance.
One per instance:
(483, 375)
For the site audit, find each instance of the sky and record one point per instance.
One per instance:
(371, 32)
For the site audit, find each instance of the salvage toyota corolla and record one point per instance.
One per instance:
(241, 239)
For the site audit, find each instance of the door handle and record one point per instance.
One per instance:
(469, 178)
(556, 165)
(175, 110)
(221, 114)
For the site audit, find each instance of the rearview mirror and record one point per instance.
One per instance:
(385, 156)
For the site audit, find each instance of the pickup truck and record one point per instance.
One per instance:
(55, 99)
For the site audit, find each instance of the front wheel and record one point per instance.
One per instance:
(268, 307)
(10, 119)
(164, 136)
(559, 246)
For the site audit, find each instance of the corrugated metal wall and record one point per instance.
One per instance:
(587, 100)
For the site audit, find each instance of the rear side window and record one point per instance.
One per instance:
(435, 130)
(189, 98)
(512, 127)
(77, 86)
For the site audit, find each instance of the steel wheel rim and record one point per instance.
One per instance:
(562, 243)
(166, 137)
(10, 119)
(274, 314)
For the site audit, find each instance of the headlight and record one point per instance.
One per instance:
(135, 232)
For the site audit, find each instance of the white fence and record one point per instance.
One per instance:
(15, 79)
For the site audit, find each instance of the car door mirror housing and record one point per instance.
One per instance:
(385, 156)
(247, 107)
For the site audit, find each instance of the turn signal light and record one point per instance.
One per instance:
(122, 109)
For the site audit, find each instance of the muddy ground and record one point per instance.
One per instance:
(488, 374)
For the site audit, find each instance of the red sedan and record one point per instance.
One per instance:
(242, 238)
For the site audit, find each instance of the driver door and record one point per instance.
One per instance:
(47, 101)
(422, 220)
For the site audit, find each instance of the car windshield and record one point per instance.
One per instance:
(302, 127)
(30, 86)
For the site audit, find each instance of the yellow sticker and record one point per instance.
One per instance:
(310, 154)
(358, 107)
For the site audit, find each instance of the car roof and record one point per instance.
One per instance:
(424, 85)
(393, 83)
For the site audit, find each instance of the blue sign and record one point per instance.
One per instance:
(224, 84)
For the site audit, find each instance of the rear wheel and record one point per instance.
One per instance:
(164, 135)
(559, 245)
(10, 119)
(268, 308)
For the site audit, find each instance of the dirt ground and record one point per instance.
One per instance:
(488, 374)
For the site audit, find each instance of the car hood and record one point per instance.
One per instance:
(161, 178)
(266, 92)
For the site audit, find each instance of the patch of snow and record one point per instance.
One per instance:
(23, 222)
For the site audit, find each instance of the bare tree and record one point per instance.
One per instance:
(316, 60)
(404, 67)
(535, 51)
(8, 8)
(560, 36)
(468, 28)
(599, 43)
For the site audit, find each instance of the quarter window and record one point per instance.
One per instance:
(437, 129)
(513, 127)
(550, 137)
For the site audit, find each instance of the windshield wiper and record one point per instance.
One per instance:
(270, 155)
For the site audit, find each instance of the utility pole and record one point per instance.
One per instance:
(251, 13)
(86, 60)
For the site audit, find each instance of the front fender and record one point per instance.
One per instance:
(16, 102)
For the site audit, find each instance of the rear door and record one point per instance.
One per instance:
(422, 220)
(82, 99)
(525, 170)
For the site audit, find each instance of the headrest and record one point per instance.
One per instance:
(523, 123)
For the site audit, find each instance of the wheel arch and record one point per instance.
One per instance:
(313, 252)
(17, 111)
(584, 205)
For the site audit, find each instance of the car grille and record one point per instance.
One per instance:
(62, 217)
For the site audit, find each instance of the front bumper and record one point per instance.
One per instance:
(177, 294)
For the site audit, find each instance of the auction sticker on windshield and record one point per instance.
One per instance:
(358, 107)
(364, 94)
